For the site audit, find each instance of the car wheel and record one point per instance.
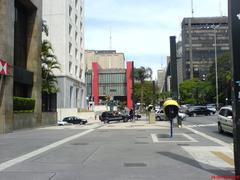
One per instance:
(125, 119)
(220, 130)
(158, 118)
(211, 113)
(194, 114)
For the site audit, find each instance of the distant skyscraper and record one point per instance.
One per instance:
(198, 46)
(65, 20)
(160, 78)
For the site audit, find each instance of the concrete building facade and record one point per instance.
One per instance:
(65, 20)
(161, 79)
(20, 46)
(107, 59)
(198, 44)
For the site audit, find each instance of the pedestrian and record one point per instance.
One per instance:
(131, 114)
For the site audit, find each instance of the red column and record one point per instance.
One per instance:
(95, 82)
(129, 75)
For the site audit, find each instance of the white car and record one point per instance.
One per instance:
(62, 123)
(225, 119)
(212, 108)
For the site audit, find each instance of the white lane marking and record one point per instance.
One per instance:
(24, 157)
(156, 140)
(202, 125)
(218, 141)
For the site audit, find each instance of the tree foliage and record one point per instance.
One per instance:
(49, 63)
(196, 92)
(147, 92)
(141, 74)
(224, 77)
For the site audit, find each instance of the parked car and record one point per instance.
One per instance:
(160, 115)
(212, 107)
(199, 110)
(72, 120)
(108, 116)
(225, 119)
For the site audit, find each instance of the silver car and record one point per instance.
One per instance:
(225, 119)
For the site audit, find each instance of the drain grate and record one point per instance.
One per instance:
(183, 144)
(135, 164)
(79, 144)
(141, 137)
(141, 143)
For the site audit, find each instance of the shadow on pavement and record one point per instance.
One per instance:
(195, 164)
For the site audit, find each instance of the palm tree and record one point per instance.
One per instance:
(141, 74)
(49, 63)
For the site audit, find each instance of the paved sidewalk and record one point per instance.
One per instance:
(116, 151)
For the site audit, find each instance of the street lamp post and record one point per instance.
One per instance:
(216, 69)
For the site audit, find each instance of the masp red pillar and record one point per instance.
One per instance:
(95, 81)
(129, 75)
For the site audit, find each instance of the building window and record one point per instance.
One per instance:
(76, 36)
(70, 11)
(70, 67)
(76, 70)
(70, 30)
(77, 97)
(76, 4)
(81, 41)
(71, 95)
(76, 53)
(76, 19)
(81, 10)
(70, 48)
(81, 25)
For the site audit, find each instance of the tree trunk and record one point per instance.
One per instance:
(141, 97)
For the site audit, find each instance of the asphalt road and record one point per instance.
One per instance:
(105, 153)
(208, 125)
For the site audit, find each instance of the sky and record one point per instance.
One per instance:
(141, 28)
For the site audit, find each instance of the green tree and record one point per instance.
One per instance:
(196, 92)
(147, 92)
(224, 77)
(49, 63)
(141, 74)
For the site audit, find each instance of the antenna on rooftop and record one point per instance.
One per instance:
(220, 8)
(192, 10)
(110, 40)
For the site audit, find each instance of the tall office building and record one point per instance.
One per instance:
(65, 20)
(20, 67)
(198, 44)
(161, 78)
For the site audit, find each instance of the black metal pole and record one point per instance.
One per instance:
(234, 27)
(173, 67)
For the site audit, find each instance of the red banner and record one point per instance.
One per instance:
(3, 67)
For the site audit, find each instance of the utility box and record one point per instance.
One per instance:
(152, 118)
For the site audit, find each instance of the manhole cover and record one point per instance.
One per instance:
(102, 131)
(79, 144)
(141, 137)
(135, 164)
(189, 133)
(183, 144)
(141, 142)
